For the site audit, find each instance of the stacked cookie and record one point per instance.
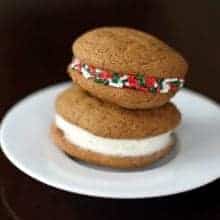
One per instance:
(118, 113)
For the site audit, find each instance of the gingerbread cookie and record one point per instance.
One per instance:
(106, 134)
(127, 67)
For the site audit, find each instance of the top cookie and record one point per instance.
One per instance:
(126, 50)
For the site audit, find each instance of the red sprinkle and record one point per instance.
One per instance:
(173, 88)
(92, 69)
(132, 81)
(150, 81)
(105, 75)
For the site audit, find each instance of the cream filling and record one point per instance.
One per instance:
(115, 147)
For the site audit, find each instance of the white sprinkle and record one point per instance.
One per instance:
(86, 73)
(98, 70)
(117, 85)
(125, 77)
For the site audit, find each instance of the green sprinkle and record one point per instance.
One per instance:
(160, 82)
(177, 83)
(106, 82)
(153, 90)
(140, 78)
(115, 78)
(99, 81)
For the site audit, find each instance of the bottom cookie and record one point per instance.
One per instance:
(128, 162)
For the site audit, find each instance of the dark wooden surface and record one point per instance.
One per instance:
(36, 37)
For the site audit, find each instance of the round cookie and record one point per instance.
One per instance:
(106, 134)
(128, 67)
(108, 120)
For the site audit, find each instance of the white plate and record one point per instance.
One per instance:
(194, 162)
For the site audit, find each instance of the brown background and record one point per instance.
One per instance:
(36, 37)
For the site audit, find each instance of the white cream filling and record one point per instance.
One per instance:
(117, 147)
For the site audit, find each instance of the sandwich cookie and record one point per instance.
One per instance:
(106, 134)
(127, 67)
